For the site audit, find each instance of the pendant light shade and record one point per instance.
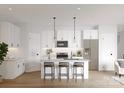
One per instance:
(54, 21)
(74, 18)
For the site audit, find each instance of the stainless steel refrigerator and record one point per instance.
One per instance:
(90, 52)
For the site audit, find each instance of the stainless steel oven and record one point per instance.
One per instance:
(62, 55)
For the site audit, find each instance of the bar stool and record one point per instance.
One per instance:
(49, 65)
(75, 66)
(64, 65)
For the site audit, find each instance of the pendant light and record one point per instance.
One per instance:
(74, 28)
(54, 20)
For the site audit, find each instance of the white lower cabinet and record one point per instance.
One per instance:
(13, 68)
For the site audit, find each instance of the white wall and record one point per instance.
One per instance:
(120, 44)
(25, 29)
(107, 46)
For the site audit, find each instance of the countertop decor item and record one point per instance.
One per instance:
(79, 53)
(3, 53)
(49, 51)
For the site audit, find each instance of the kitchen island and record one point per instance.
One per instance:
(71, 61)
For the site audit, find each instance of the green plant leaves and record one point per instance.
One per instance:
(3, 51)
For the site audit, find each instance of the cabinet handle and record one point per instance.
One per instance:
(23, 64)
(18, 65)
(11, 44)
(17, 45)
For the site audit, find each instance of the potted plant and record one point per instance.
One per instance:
(3, 53)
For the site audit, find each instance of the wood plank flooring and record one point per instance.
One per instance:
(33, 80)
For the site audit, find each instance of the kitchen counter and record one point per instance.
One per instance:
(13, 59)
(71, 61)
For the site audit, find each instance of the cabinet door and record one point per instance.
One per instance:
(17, 36)
(62, 35)
(23, 67)
(59, 35)
(94, 34)
(47, 39)
(78, 39)
(6, 33)
(12, 36)
(86, 34)
(10, 69)
(90, 34)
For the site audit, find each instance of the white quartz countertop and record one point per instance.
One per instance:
(13, 59)
(65, 60)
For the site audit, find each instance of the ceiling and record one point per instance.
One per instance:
(42, 14)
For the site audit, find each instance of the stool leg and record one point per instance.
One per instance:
(76, 73)
(54, 72)
(73, 72)
(44, 73)
(82, 73)
(51, 73)
(59, 73)
(68, 72)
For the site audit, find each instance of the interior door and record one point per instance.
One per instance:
(108, 52)
(34, 46)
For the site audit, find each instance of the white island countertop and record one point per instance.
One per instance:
(71, 61)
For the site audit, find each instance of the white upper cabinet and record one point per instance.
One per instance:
(47, 39)
(94, 34)
(5, 34)
(10, 34)
(90, 34)
(86, 34)
(17, 36)
(63, 35)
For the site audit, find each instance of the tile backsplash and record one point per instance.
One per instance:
(13, 53)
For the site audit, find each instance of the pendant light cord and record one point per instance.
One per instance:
(74, 26)
(54, 18)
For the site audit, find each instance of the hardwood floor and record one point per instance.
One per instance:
(33, 80)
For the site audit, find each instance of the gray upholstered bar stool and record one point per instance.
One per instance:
(77, 65)
(49, 65)
(63, 65)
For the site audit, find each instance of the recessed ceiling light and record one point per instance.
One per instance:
(78, 8)
(49, 23)
(10, 9)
